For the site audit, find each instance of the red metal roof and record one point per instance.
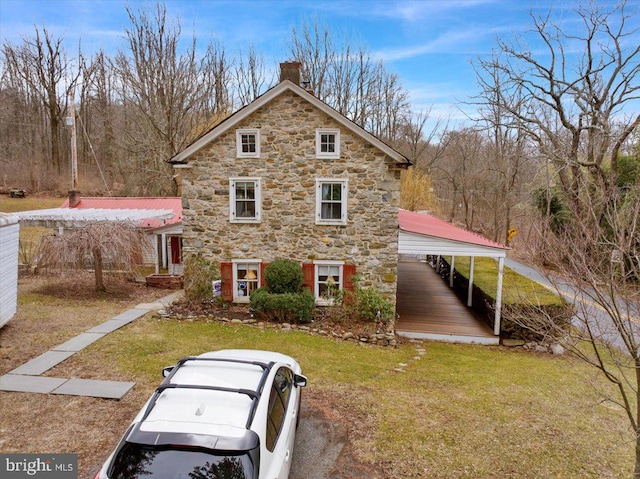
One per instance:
(135, 203)
(426, 224)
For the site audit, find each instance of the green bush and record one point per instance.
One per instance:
(365, 304)
(283, 307)
(198, 276)
(284, 276)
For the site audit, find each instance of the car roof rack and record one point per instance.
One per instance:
(254, 395)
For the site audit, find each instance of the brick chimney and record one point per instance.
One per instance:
(74, 198)
(290, 71)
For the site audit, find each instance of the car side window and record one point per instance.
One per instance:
(278, 402)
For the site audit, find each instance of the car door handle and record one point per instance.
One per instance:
(287, 456)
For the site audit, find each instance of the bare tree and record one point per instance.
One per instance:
(170, 93)
(116, 246)
(343, 74)
(250, 76)
(43, 67)
(598, 261)
(577, 107)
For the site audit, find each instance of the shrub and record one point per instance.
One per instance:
(198, 276)
(284, 276)
(283, 307)
(365, 304)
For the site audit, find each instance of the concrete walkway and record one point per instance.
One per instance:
(27, 378)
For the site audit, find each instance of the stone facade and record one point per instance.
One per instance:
(288, 168)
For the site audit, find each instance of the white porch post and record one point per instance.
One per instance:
(496, 322)
(470, 295)
(164, 250)
(453, 265)
(438, 265)
(155, 249)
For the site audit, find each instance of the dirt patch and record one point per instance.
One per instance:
(52, 310)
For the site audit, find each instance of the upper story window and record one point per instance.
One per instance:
(328, 143)
(331, 201)
(248, 143)
(245, 200)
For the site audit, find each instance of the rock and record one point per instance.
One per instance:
(557, 349)
(305, 328)
(512, 343)
(347, 335)
(539, 348)
(236, 321)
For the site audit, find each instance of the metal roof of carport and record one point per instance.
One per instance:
(424, 234)
(71, 217)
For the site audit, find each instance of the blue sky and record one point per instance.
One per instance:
(429, 43)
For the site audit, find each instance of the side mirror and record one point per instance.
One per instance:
(166, 371)
(299, 380)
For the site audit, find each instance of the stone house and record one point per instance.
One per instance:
(287, 176)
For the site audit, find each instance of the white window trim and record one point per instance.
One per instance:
(325, 155)
(322, 301)
(232, 200)
(247, 131)
(345, 189)
(236, 298)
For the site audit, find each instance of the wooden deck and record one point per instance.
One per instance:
(428, 308)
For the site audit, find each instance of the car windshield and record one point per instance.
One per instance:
(136, 461)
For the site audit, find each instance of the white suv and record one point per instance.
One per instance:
(229, 414)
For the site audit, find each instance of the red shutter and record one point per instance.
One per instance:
(309, 271)
(226, 274)
(348, 272)
(263, 266)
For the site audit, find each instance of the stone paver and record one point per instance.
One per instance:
(29, 384)
(109, 326)
(79, 342)
(94, 388)
(42, 363)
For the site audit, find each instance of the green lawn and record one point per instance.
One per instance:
(514, 287)
(457, 411)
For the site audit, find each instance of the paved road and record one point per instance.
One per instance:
(586, 307)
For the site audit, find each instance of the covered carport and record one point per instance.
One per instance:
(428, 308)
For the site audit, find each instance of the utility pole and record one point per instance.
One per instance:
(74, 194)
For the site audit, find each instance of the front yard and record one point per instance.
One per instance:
(456, 411)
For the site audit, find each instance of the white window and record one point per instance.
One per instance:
(328, 281)
(331, 201)
(248, 143)
(245, 200)
(328, 143)
(246, 279)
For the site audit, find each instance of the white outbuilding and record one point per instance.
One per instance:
(9, 241)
